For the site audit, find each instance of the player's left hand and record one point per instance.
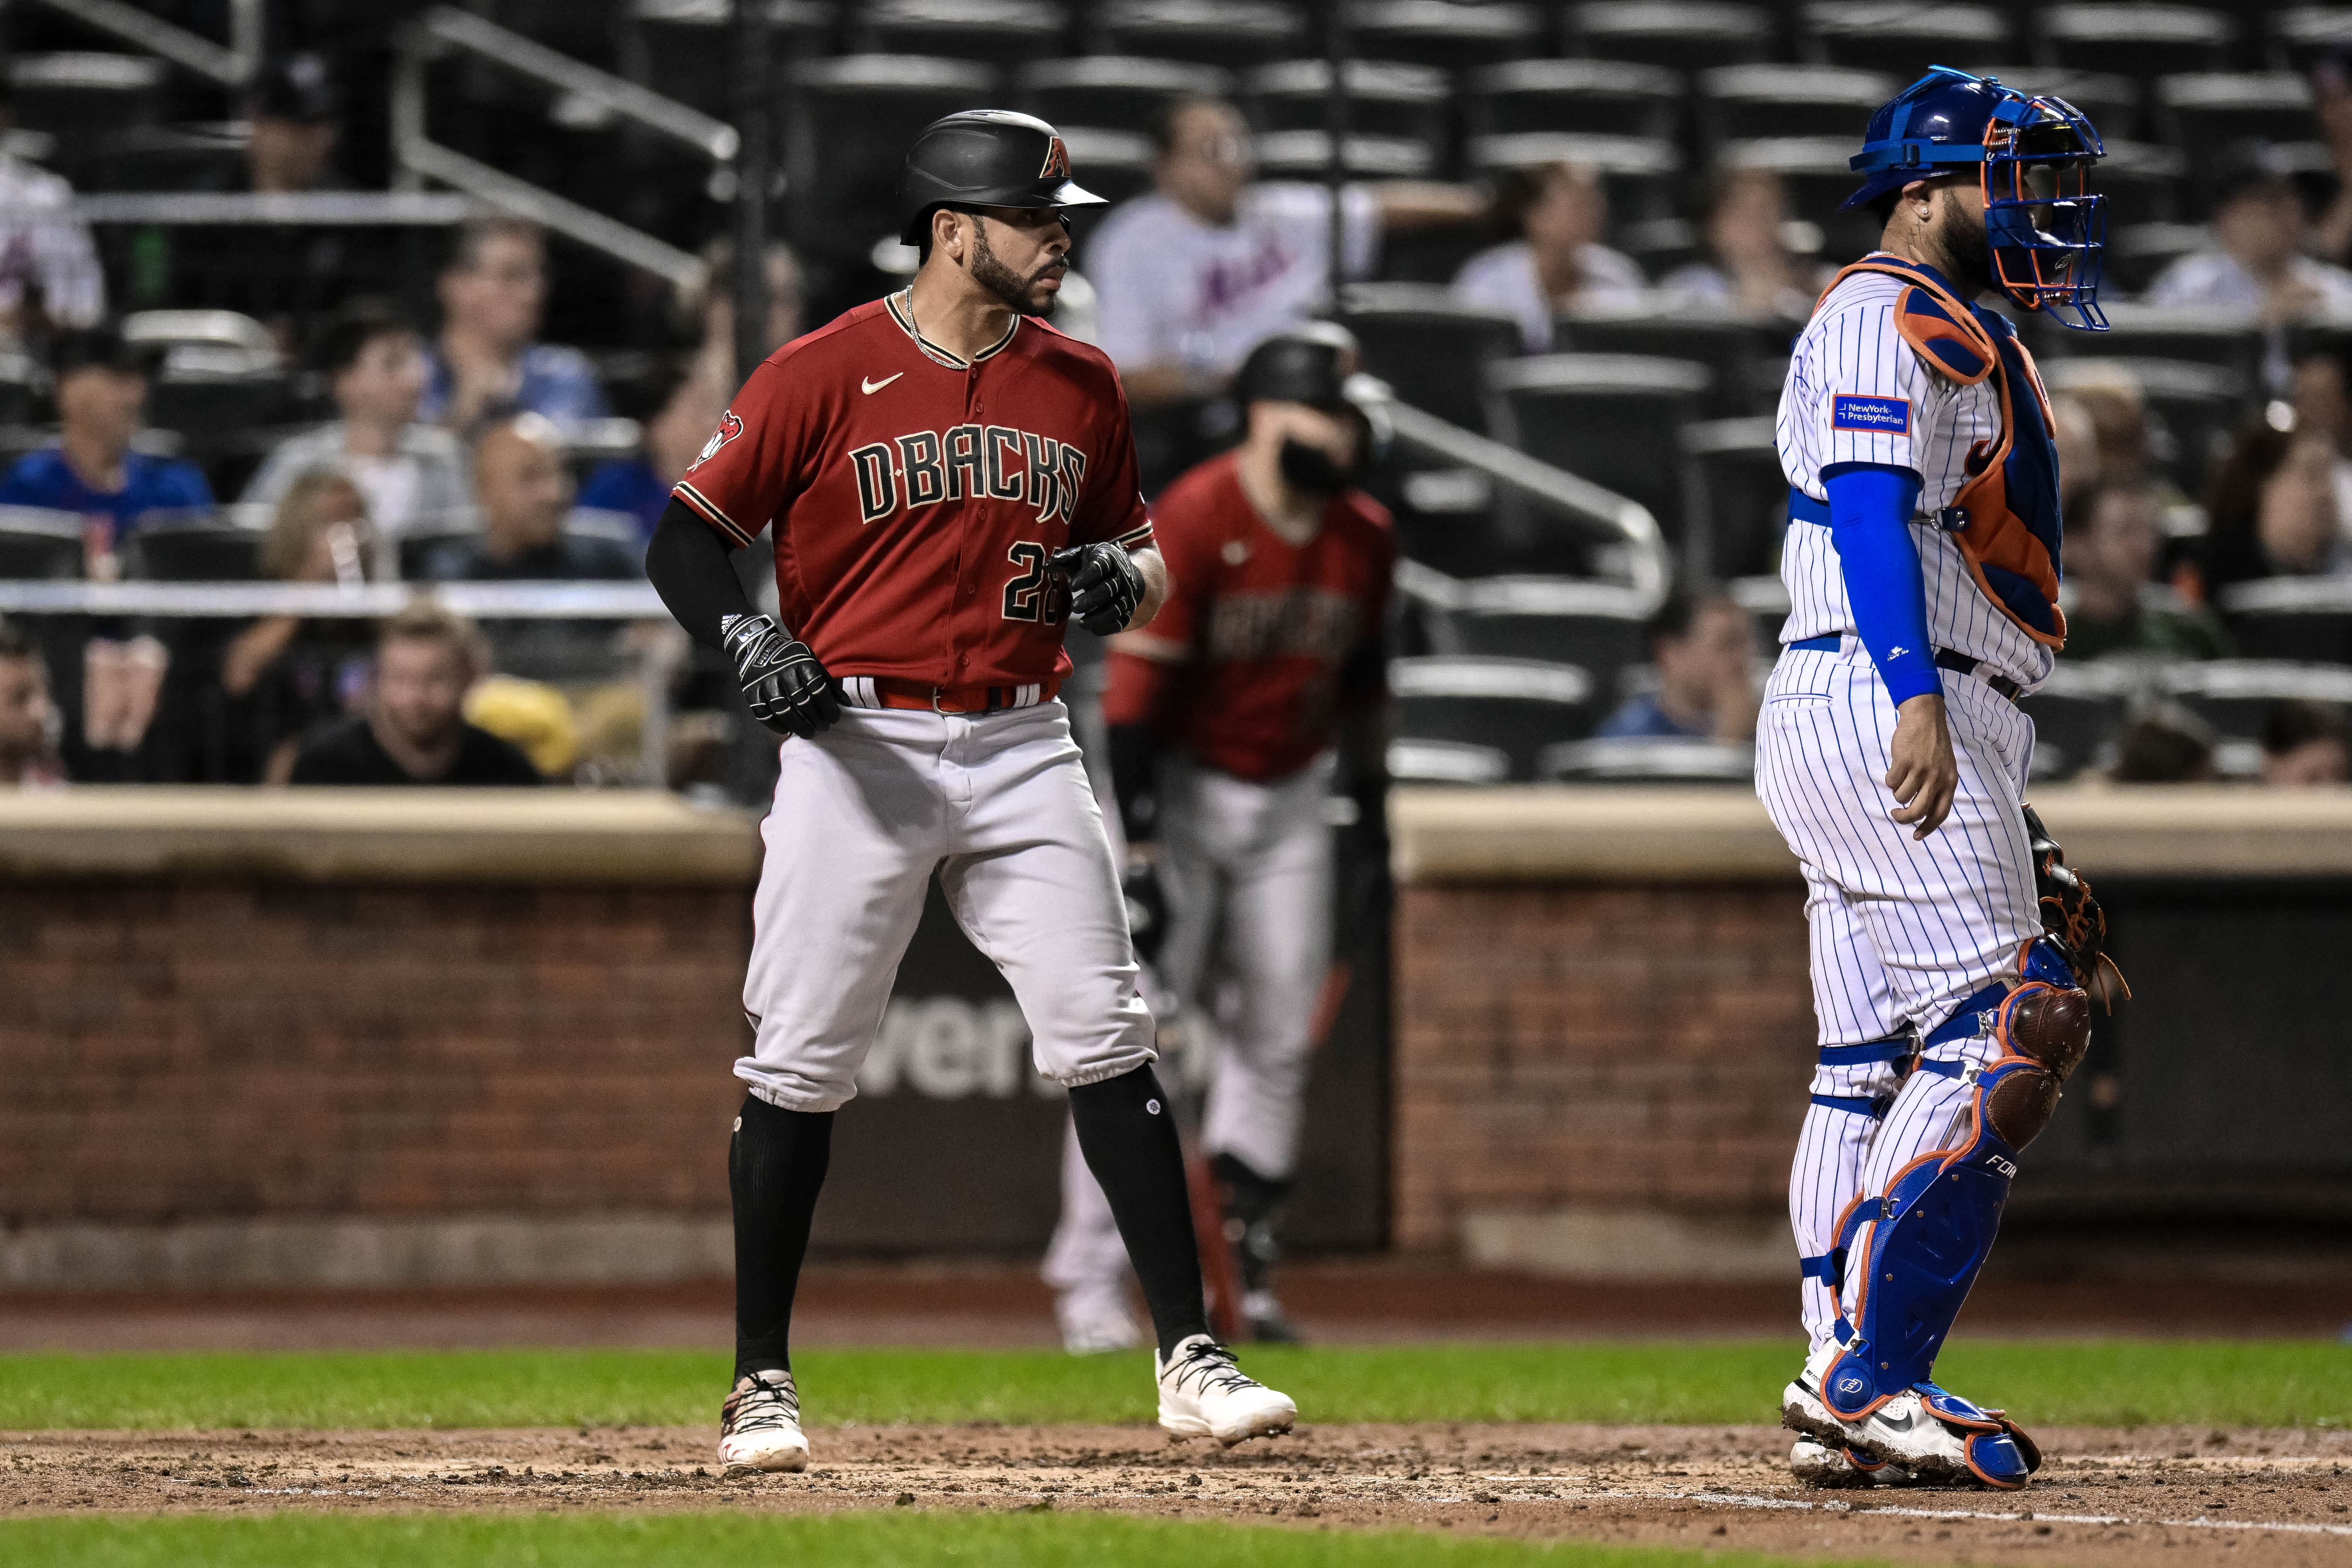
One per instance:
(1923, 771)
(1105, 582)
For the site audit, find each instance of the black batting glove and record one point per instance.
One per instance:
(1104, 583)
(787, 689)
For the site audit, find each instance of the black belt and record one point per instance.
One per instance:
(1945, 659)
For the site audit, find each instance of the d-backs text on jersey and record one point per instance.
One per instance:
(997, 462)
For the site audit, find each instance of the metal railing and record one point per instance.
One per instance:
(419, 158)
(232, 66)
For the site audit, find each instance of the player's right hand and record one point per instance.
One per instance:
(1922, 771)
(785, 686)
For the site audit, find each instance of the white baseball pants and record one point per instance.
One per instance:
(998, 806)
(1901, 930)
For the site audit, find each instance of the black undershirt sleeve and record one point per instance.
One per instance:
(686, 564)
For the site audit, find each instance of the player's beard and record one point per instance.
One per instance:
(1009, 286)
(1964, 241)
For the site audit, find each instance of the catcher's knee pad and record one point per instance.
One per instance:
(2042, 1028)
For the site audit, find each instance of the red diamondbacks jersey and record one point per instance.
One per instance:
(1274, 638)
(917, 495)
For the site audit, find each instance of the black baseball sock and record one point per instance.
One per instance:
(1128, 1136)
(775, 1168)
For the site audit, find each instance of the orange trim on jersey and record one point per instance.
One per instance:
(710, 512)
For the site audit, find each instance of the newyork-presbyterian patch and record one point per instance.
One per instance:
(1870, 415)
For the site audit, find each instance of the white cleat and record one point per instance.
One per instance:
(1903, 1431)
(1095, 1318)
(760, 1425)
(1204, 1395)
(1819, 1465)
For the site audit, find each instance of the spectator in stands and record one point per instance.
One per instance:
(1558, 267)
(101, 396)
(2323, 404)
(2077, 441)
(2271, 506)
(410, 473)
(1753, 270)
(524, 493)
(283, 675)
(485, 363)
(2119, 430)
(49, 275)
(2113, 536)
(1704, 650)
(706, 309)
(1196, 274)
(2305, 743)
(2169, 745)
(414, 729)
(28, 720)
(295, 115)
(2258, 262)
(677, 414)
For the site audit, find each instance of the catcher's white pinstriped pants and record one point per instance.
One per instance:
(1901, 930)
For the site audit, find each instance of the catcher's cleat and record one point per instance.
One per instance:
(1095, 1318)
(1204, 1395)
(1819, 1465)
(760, 1425)
(1939, 1438)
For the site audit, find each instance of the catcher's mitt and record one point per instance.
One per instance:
(2072, 919)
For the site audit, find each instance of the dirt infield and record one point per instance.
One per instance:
(2172, 1495)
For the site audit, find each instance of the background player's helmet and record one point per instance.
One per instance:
(1319, 364)
(2045, 230)
(986, 158)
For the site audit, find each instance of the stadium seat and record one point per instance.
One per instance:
(2234, 695)
(1448, 34)
(1385, 98)
(1429, 346)
(1817, 175)
(1610, 97)
(1749, 355)
(1114, 164)
(2194, 409)
(38, 544)
(1230, 33)
(24, 385)
(687, 48)
(1686, 35)
(2079, 710)
(2231, 340)
(222, 384)
(1742, 505)
(2306, 34)
(192, 548)
(1614, 419)
(2144, 180)
(1735, 102)
(1639, 172)
(2294, 618)
(84, 100)
(1889, 35)
(2137, 40)
(1597, 627)
(2112, 102)
(2207, 112)
(1116, 93)
(2136, 252)
(852, 117)
(1307, 155)
(1447, 763)
(1648, 760)
(1517, 706)
(1006, 32)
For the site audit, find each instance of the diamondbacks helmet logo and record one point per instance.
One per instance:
(1057, 161)
(730, 426)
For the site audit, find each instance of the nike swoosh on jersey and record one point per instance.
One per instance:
(870, 387)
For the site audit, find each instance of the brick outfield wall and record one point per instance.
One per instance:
(1597, 1048)
(196, 1048)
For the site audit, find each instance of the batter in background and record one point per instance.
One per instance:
(950, 481)
(1259, 685)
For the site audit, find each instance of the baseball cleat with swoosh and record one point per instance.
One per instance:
(1938, 1437)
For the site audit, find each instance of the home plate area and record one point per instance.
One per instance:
(2106, 1496)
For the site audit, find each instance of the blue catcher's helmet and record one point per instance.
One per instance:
(2045, 229)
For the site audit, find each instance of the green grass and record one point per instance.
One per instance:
(2278, 1382)
(837, 1541)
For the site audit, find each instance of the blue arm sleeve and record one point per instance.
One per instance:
(1870, 523)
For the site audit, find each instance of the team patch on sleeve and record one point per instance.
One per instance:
(1872, 416)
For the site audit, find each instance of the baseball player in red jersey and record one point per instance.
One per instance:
(950, 481)
(1223, 715)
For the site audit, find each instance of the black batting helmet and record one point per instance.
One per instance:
(986, 158)
(1319, 364)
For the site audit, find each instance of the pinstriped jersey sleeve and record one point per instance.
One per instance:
(1872, 400)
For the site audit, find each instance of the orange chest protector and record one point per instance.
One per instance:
(2005, 517)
